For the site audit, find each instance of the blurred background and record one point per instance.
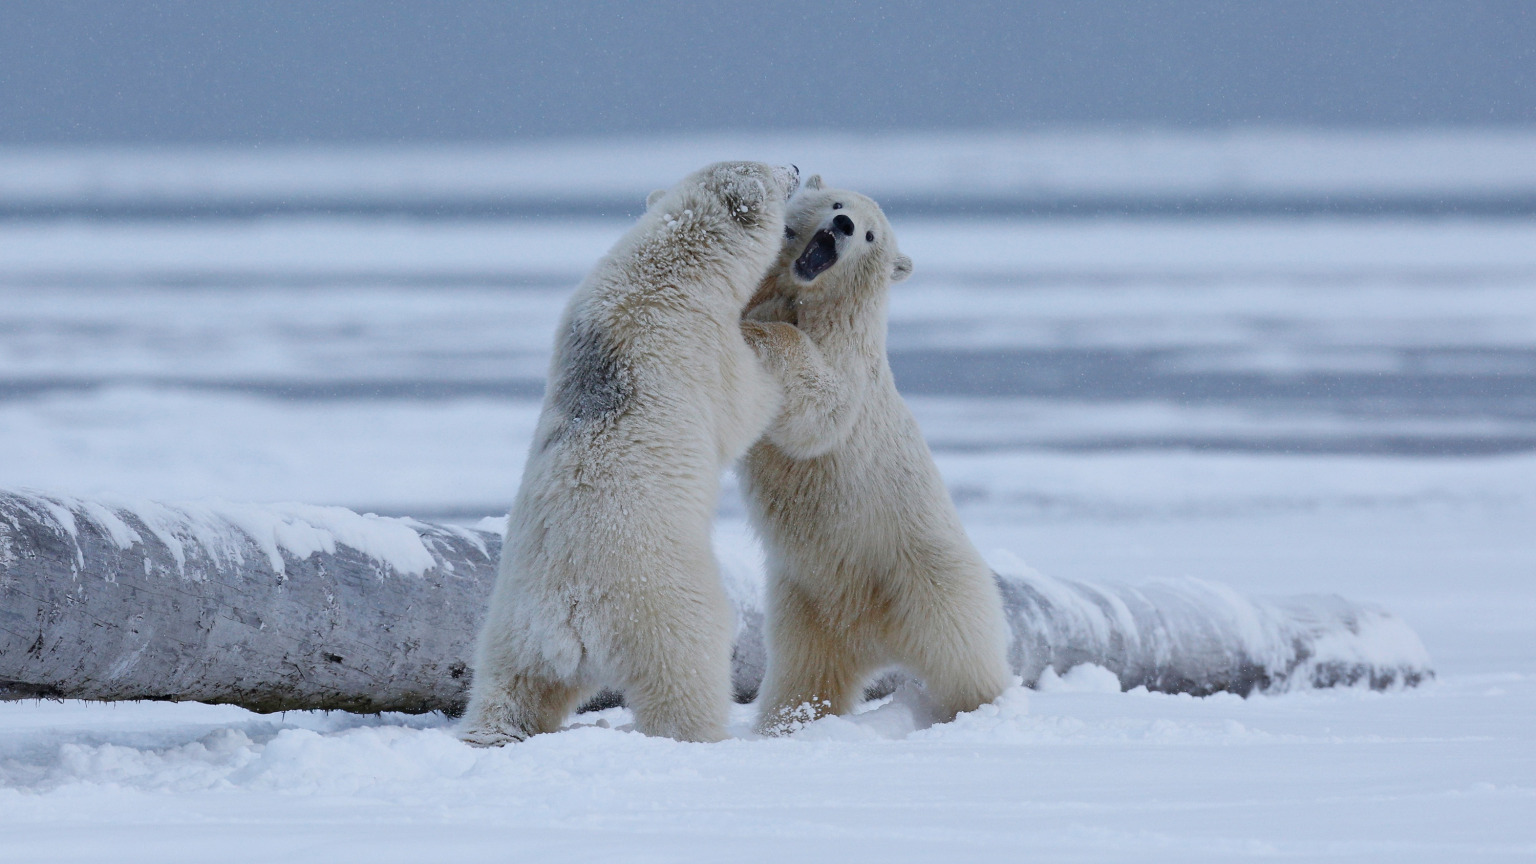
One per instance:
(245, 73)
(1239, 291)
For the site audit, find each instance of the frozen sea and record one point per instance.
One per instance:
(1336, 403)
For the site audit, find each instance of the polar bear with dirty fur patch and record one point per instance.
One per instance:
(607, 577)
(868, 563)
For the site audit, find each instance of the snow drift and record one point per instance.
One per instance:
(284, 607)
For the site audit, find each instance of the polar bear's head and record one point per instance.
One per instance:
(747, 191)
(838, 237)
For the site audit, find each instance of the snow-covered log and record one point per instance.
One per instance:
(1199, 637)
(279, 607)
(271, 607)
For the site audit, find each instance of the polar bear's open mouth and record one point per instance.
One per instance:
(819, 254)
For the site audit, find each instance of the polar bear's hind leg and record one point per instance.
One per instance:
(813, 669)
(954, 641)
(676, 663)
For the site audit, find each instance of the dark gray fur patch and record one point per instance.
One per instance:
(592, 385)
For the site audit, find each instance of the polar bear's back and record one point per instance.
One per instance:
(651, 391)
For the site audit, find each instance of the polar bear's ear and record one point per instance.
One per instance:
(651, 199)
(812, 182)
(901, 268)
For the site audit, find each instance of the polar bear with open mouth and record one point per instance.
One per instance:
(868, 564)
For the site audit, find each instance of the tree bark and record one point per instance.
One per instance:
(289, 607)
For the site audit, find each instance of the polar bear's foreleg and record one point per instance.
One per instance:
(814, 669)
(820, 401)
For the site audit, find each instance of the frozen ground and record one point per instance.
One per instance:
(1282, 406)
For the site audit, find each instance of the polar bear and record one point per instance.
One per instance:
(607, 576)
(868, 563)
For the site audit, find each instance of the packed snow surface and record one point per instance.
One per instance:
(1074, 771)
(1275, 407)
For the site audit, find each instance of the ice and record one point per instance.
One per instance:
(1039, 164)
(385, 251)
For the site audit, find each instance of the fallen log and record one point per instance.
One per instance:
(289, 607)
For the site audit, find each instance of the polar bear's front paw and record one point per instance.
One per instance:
(770, 335)
(751, 190)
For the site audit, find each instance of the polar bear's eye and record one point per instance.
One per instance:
(869, 236)
(837, 205)
(789, 233)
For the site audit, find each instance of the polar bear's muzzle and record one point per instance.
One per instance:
(819, 254)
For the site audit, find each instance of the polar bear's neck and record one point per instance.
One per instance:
(855, 318)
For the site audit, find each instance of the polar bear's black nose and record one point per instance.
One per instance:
(843, 224)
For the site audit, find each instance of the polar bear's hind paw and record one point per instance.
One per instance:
(483, 737)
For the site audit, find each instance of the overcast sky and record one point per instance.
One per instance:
(139, 72)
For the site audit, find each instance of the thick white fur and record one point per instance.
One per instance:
(868, 563)
(607, 577)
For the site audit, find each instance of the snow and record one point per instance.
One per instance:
(1064, 773)
(1082, 678)
(224, 530)
(394, 366)
(301, 530)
